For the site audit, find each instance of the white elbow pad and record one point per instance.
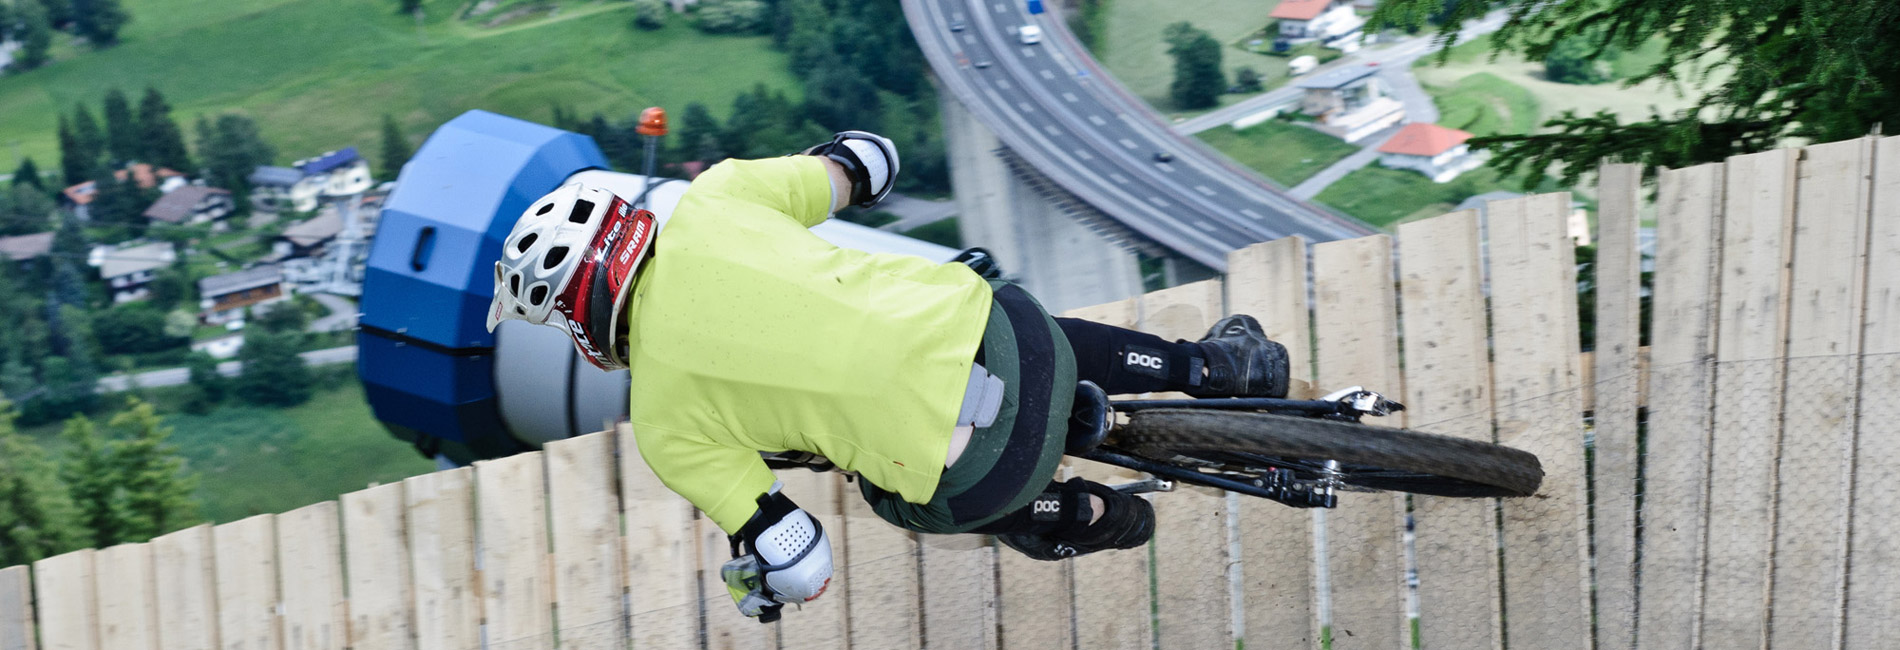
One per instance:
(780, 556)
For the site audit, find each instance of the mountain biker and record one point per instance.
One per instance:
(945, 392)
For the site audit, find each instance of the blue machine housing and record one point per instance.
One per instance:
(425, 359)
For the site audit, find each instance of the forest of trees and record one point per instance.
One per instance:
(32, 23)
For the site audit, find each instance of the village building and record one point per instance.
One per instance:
(302, 185)
(1350, 103)
(23, 249)
(1310, 20)
(128, 270)
(191, 204)
(225, 297)
(308, 238)
(78, 197)
(279, 188)
(1438, 152)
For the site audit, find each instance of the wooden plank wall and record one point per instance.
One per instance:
(1448, 392)
(1759, 513)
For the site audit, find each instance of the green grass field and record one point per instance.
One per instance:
(319, 74)
(1130, 44)
(1284, 152)
(1485, 104)
(1385, 197)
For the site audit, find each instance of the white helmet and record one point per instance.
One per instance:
(570, 263)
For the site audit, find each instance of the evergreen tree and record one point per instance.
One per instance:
(34, 525)
(118, 202)
(91, 478)
(208, 385)
(28, 174)
(1198, 80)
(1776, 70)
(273, 374)
(6, 23)
(649, 15)
(396, 149)
(1247, 80)
(164, 143)
(698, 135)
(157, 489)
(99, 20)
(74, 168)
(1574, 61)
(35, 34)
(89, 140)
(408, 7)
(24, 210)
(58, 12)
(232, 148)
(839, 98)
(123, 139)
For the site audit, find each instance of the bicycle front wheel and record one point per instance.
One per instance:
(1368, 457)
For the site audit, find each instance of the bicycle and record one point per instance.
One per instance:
(1299, 453)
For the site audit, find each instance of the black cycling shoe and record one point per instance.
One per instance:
(1241, 361)
(1128, 523)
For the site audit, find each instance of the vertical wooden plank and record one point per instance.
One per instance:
(68, 603)
(959, 589)
(16, 609)
(247, 583)
(441, 535)
(186, 574)
(1191, 562)
(726, 628)
(128, 611)
(1036, 608)
(586, 516)
(820, 623)
(1112, 600)
(310, 560)
(512, 532)
(661, 560)
(1618, 323)
(1448, 392)
(1682, 352)
(882, 571)
(1357, 328)
(1278, 595)
(1872, 593)
(377, 553)
(1758, 220)
(1823, 382)
(1534, 336)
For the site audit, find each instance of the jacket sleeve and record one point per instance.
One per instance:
(796, 187)
(724, 482)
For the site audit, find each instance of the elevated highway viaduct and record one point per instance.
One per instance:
(1070, 179)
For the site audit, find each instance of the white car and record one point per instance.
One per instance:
(1030, 34)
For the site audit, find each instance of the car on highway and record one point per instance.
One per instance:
(1030, 34)
(982, 63)
(956, 25)
(1163, 156)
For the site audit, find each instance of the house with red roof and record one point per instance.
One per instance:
(1438, 152)
(1306, 20)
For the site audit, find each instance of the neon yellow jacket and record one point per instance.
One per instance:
(749, 333)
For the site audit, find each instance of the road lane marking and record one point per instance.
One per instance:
(1204, 225)
(1069, 97)
(1002, 83)
(1048, 75)
(1097, 119)
(1165, 167)
(1204, 190)
(1256, 216)
(1000, 7)
(1051, 130)
(1128, 143)
(969, 39)
(1029, 53)
(1159, 201)
(1026, 106)
(1118, 178)
(1084, 154)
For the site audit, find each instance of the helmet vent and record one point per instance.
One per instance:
(514, 285)
(545, 208)
(554, 257)
(582, 210)
(537, 294)
(526, 242)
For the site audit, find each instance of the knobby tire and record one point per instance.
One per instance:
(1490, 470)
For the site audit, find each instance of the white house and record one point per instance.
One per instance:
(1350, 102)
(191, 204)
(1304, 20)
(302, 185)
(1437, 152)
(128, 270)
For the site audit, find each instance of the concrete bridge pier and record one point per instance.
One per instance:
(1064, 251)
